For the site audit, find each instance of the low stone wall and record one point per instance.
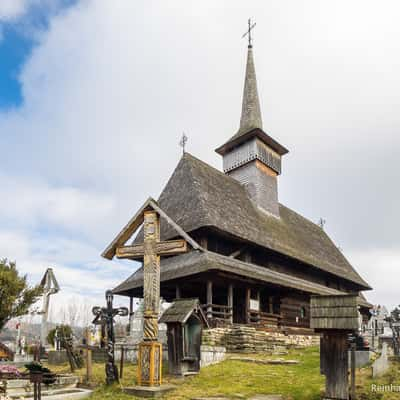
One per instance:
(244, 339)
(212, 355)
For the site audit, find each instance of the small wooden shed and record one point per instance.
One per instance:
(185, 321)
(335, 317)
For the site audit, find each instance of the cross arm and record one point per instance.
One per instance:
(167, 248)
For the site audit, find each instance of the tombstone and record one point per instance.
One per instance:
(185, 321)
(335, 317)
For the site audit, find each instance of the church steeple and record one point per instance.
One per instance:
(251, 156)
(251, 112)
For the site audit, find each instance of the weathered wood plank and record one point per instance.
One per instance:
(336, 366)
(169, 248)
(328, 312)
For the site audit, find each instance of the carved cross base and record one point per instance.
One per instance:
(149, 363)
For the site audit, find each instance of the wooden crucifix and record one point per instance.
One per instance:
(150, 350)
(150, 251)
(88, 357)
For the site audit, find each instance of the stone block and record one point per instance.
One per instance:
(148, 391)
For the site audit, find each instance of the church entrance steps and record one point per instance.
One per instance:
(246, 339)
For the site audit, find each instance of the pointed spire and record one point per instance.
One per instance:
(251, 112)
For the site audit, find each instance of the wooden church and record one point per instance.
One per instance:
(258, 262)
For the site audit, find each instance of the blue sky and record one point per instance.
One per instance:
(19, 26)
(95, 94)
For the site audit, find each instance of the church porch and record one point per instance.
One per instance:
(232, 291)
(227, 299)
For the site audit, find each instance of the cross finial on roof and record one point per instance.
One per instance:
(248, 32)
(183, 142)
(321, 223)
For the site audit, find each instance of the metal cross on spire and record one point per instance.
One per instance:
(248, 32)
(183, 142)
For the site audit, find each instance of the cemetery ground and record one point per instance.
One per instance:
(233, 379)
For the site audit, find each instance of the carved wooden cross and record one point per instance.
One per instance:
(151, 250)
(150, 350)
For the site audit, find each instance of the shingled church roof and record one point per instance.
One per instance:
(198, 261)
(198, 195)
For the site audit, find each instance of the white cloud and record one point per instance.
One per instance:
(11, 9)
(110, 87)
(82, 275)
(28, 202)
(380, 269)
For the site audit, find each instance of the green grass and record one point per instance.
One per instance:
(238, 379)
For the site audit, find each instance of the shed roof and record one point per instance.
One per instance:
(181, 310)
(198, 195)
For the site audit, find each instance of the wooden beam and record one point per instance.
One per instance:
(177, 228)
(247, 304)
(133, 252)
(130, 305)
(128, 230)
(177, 292)
(230, 300)
(135, 222)
(238, 252)
(169, 248)
(271, 304)
(209, 299)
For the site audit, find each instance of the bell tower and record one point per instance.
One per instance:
(251, 156)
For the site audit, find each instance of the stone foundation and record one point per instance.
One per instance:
(245, 339)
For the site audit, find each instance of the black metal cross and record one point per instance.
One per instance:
(248, 32)
(105, 316)
(183, 142)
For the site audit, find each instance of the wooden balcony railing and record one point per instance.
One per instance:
(217, 314)
(257, 317)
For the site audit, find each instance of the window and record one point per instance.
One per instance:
(302, 312)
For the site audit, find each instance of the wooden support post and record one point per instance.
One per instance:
(177, 292)
(230, 301)
(209, 299)
(336, 365)
(88, 358)
(130, 314)
(247, 305)
(259, 299)
(271, 304)
(121, 363)
(322, 353)
(353, 371)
